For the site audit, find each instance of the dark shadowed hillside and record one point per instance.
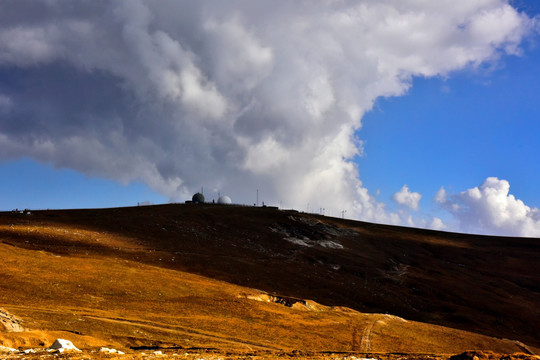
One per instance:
(485, 285)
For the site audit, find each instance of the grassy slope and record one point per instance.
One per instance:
(128, 277)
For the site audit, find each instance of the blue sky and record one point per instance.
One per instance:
(113, 105)
(456, 131)
(34, 185)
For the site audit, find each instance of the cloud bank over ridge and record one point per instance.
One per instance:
(491, 209)
(233, 96)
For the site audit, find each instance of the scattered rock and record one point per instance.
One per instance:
(311, 232)
(489, 355)
(287, 301)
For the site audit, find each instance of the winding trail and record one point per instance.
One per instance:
(171, 328)
(185, 331)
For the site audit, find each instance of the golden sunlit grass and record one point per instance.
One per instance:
(166, 306)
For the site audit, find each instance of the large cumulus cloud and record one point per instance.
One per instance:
(234, 95)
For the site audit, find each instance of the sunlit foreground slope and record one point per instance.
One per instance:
(240, 278)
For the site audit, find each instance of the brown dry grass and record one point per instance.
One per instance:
(182, 276)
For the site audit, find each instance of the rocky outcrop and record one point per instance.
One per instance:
(9, 322)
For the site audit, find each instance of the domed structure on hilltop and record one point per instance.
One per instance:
(198, 198)
(225, 200)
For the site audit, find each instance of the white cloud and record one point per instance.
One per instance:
(407, 198)
(437, 224)
(240, 59)
(28, 45)
(5, 103)
(491, 209)
(440, 196)
(234, 96)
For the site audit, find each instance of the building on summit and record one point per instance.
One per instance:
(198, 198)
(224, 200)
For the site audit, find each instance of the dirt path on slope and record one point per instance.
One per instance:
(185, 331)
(14, 323)
(365, 342)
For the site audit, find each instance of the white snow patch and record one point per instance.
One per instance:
(110, 351)
(330, 244)
(4, 349)
(310, 243)
(63, 345)
(297, 241)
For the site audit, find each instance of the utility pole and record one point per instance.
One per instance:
(257, 197)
